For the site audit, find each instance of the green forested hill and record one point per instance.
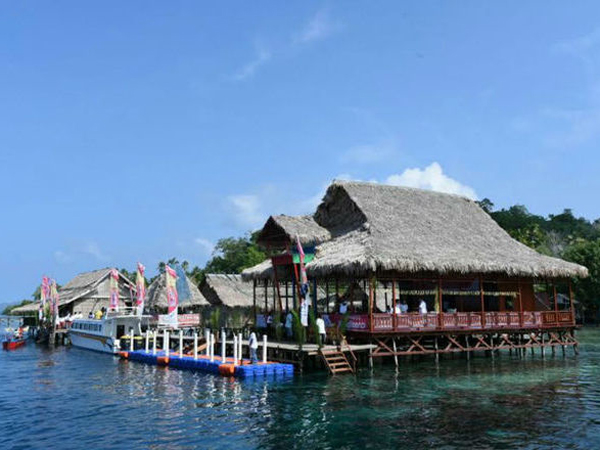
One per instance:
(561, 235)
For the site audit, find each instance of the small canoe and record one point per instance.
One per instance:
(12, 344)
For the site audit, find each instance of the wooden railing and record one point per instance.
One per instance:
(383, 323)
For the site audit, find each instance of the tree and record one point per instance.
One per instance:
(232, 255)
(486, 204)
(587, 290)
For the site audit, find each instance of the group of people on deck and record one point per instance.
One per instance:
(99, 314)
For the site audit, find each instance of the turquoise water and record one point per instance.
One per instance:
(71, 398)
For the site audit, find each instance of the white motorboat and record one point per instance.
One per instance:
(104, 335)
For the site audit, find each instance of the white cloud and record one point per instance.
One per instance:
(62, 257)
(263, 55)
(246, 209)
(319, 27)
(583, 47)
(93, 249)
(368, 154)
(206, 245)
(433, 178)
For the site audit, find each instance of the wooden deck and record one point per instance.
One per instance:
(462, 321)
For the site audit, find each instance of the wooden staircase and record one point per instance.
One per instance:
(336, 361)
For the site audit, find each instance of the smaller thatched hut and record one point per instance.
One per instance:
(157, 297)
(88, 291)
(231, 296)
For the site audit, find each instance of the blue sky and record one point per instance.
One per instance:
(144, 130)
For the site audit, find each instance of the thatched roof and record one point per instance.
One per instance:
(281, 230)
(227, 290)
(26, 309)
(377, 227)
(157, 295)
(84, 284)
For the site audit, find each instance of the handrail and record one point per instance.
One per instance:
(385, 322)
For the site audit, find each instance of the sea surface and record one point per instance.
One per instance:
(70, 398)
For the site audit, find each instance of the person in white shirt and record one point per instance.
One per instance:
(288, 325)
(398, 309)
(321, 328)
(253, 345)
(422, 307)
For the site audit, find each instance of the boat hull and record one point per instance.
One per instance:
(93, 342)
(11, 345)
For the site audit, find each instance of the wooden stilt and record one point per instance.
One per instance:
(395, 353)
(543, 349)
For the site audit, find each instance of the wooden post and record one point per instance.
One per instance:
(254, 301)
(154, 336)
(395, 351)
(266, 297)
(195, 345)
(440, 300)
(327, 295)
(207, 338)
(571, 305)
(287, 297)
(131, 340)
(297, 280)
(241, 349)
(147, 346)
(543, 345)
(276, 281)
(482, 302)
(264, 349)
(315, 297)
(371, 288)
(394, 317)
(555, 300)
(521, 318)
(212, 347)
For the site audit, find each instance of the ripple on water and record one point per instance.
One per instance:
(70, 398)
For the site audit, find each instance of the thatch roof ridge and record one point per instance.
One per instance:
(391, 228)
(284, 229)
(228, 290)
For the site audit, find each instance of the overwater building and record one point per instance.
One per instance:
(419, 272)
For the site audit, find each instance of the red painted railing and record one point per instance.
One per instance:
(459, 321)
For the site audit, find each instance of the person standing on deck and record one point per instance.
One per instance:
(403, 307)
(253, 345)
(422, 307)
(288, 325)
(321, 328)
(343, 307)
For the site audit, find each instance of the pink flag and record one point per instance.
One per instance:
(54, 297)
(45, 291)
(140, 286)
(172, 297)
(114, 290)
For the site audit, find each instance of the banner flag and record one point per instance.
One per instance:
(140, 286)
(172, 296)
(114, 290)
(54, 299)
(303, 276)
